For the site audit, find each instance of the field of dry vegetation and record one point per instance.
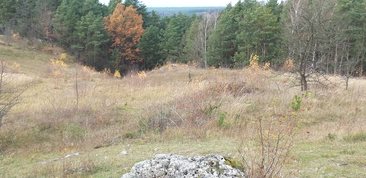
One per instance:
(107, 124)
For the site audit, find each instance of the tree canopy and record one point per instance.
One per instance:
(319, 36)
(125, 27)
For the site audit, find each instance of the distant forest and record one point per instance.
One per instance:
(313, 36)
(169, 11)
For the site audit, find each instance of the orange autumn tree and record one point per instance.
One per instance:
(125, 27)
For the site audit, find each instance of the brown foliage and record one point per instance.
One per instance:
(125, 26)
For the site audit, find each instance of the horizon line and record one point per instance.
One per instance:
(182, 6)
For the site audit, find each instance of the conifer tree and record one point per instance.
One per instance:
(92, 40)
(67, 16)
(25, 18)
(7, 12)
(150, 46)
(222, 43)
(259, 34)
(174, 36)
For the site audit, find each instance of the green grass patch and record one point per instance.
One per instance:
(328, 159)
(108, 161)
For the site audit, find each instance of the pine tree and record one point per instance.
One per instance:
(174, 36)
(44, 13)
(95, 7)
(353, 13)
(222, 44)
(112, 5)
(25, 18)
(150, 46)
(153, 20)
(67, 16)
(260, 35)
(7, 12)
(92, 40)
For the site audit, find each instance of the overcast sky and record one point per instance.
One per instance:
(182, 3)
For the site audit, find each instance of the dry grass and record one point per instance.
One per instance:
(171, 104)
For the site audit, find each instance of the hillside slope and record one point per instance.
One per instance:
(180, 109)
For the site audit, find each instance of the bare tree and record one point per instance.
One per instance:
(349, 67)
(207, 25)
(197, 37)
(10, 94)
(272, 148)
(307, 26)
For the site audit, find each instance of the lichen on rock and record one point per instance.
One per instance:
(170, 165)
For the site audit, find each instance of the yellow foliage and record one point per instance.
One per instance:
(58, 65)
(267, 66)
(16, 36)
(141, 75)
(87, 69)
(254, 62)
(289, 65)
(63, 57)
(117, 74)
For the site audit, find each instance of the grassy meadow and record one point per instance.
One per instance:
(182, 109)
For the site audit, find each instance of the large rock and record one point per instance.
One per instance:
(169, 166)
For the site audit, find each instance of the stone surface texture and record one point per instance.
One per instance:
(171, 166)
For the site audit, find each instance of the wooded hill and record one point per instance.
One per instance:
(315, 36)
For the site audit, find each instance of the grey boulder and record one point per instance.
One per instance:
(170, 165)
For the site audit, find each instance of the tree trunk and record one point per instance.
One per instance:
(361, 71)
(205, 40)
(302, 72)
(77, 83)
(336, 59)
(313, 61)
(304, 82)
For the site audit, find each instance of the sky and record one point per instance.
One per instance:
(183, 3)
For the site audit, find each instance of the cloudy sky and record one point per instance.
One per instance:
(182, 3)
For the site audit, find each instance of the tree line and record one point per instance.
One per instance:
(326, 37)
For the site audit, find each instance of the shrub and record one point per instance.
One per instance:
(221, 120)
(254, 62)
(58, 66)
(211, 108)
(117, 74)
(10, 92)
(270, 152)
(288, 65)
(72, 133)
(7, 140)
(296, 103)
(331, 137)
(358, 137)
